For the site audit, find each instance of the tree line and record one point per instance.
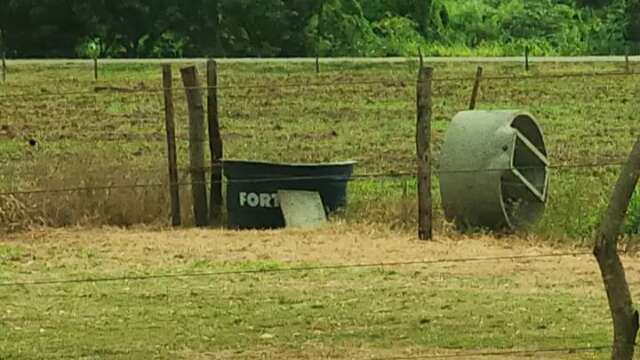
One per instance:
(285, 28)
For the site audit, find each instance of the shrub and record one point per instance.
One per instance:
(398, 37)
(90, 48)
(342, 30)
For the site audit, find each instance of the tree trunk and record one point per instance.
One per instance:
(625, 317)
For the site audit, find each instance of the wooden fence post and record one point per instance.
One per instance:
(172, 153)
(625, 317)
(4, 67)
(423, 142)
(627, 64)
(95, 68)
(196, 144)
(215, 144)
(526, 58)
(476, 89)
(317, 65)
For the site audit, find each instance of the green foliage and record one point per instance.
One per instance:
(90, 48)
(341, 29)
(471, 23)
(170, 44)
(557, 24)
(398, 36)
(608, 30)
(173, 28)
(633, 27)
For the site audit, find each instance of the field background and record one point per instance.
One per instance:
(111, 133)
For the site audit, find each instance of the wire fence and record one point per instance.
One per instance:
(453, 355)
(517, 353)
(296, 269)
(456, 355)
(601, 146)
(332, 178)
(403, 82)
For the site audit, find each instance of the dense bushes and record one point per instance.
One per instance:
(549, 27)
(168, 28)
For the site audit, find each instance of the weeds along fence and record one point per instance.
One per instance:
(77, 150)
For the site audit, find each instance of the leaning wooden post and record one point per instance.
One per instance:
(423, 142)
(625, 317)
(476, 89)
(215, 144)
(196, 144)
(172, 153)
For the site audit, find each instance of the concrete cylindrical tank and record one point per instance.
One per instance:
(494, 170)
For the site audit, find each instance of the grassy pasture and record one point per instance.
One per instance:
(286, 112)
(367, 313)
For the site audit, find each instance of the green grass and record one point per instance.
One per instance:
(355, 312)
(164, 318)
(115, 138)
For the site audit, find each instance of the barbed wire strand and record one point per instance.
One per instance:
(292, 269)
(336, 178)
(182, 292)
(161, 168)
(386, 83)
(500, 353)
(454, 355)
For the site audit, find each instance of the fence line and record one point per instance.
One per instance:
(201, 291)
(456, 355)
(390, 175)
(153, 124)
(357, 177)
(152, 137)
(501, 353)
(178, 292)
(293, 269)
(400, 82)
